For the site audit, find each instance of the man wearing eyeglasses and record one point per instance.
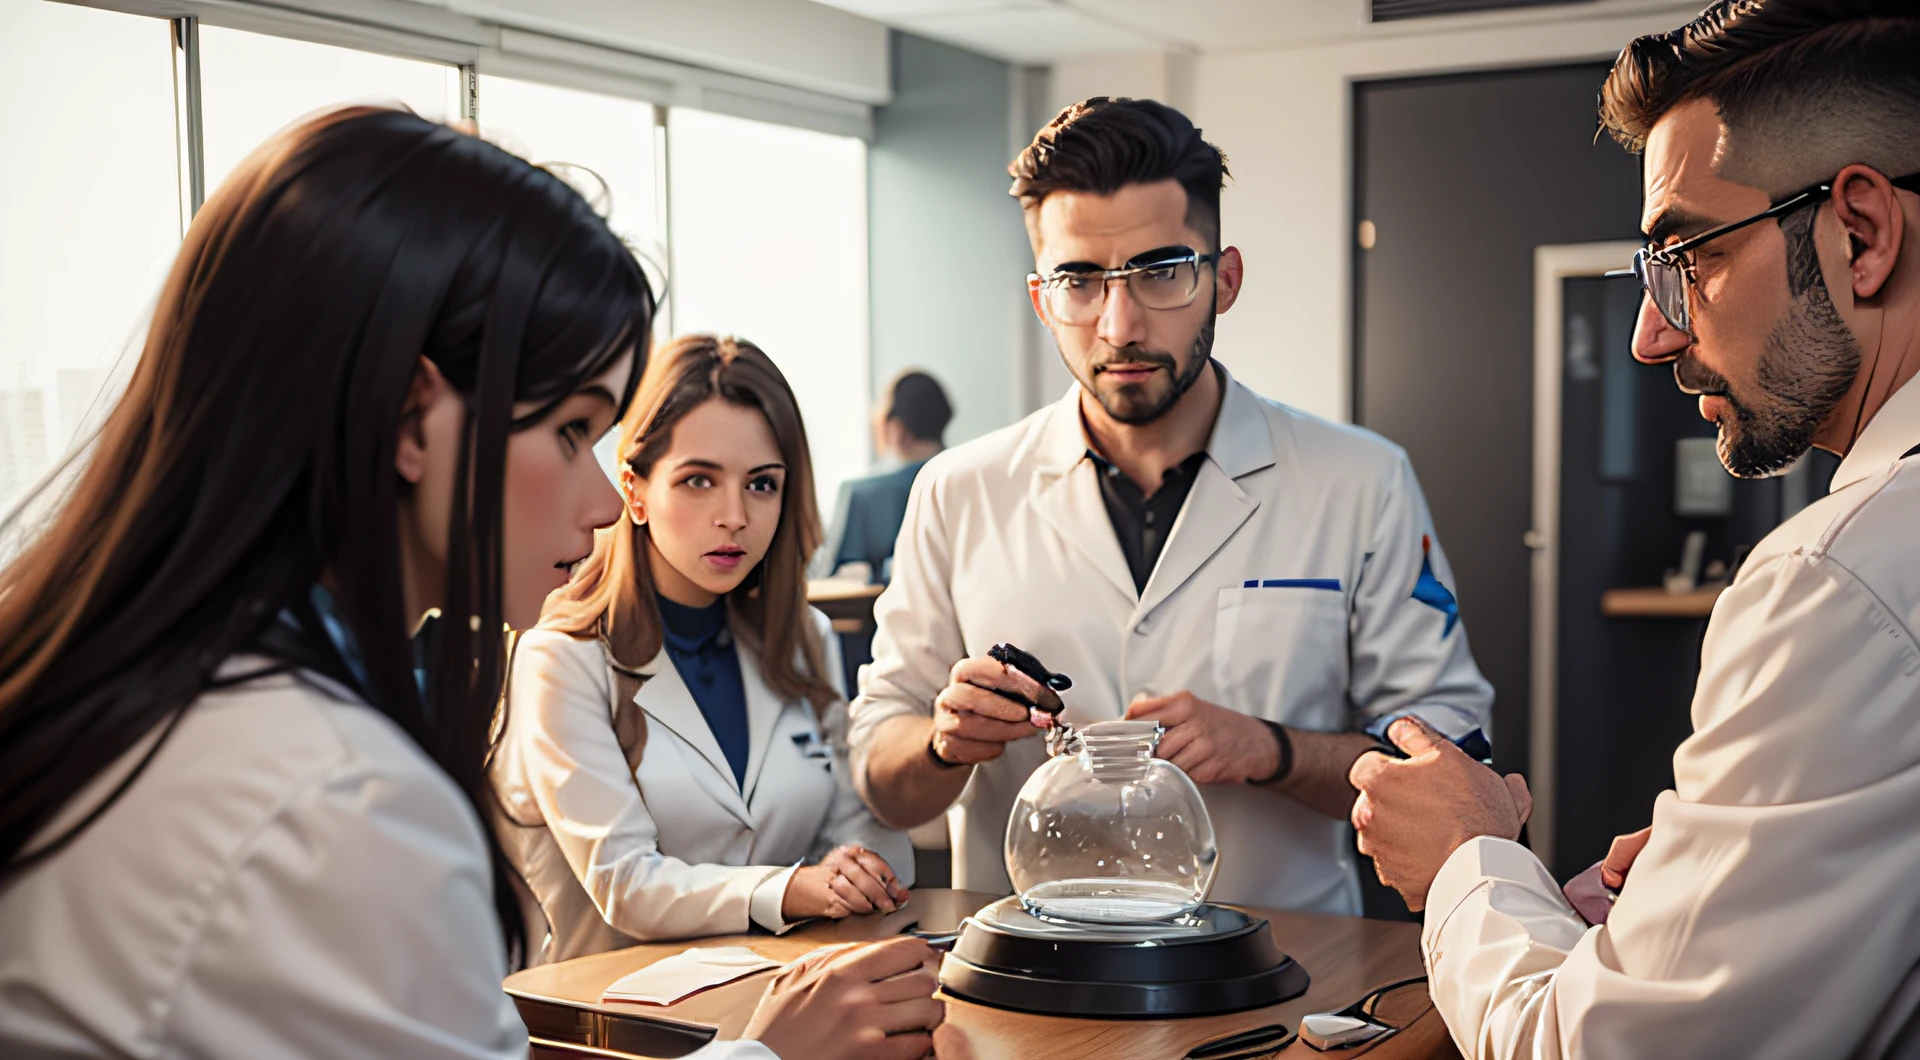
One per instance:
(1773, 907)
(1265, 584)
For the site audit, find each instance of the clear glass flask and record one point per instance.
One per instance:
(1105, 833)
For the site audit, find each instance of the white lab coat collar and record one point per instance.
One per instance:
(1069, 498)
(1066, 493)
(669, 703)
(241, 666)
(763, 714)
(1242, 441)
(1892, 431)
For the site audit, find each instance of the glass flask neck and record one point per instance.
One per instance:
(1118, 750)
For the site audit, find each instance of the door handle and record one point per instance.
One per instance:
(1534, 540)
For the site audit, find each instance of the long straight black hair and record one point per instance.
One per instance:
(253, 451)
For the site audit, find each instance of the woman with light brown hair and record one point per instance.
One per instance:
(673, 759)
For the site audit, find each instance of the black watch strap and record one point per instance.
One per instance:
(934, 753)
(1285, 765)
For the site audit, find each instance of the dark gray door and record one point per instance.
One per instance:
(1461, 178)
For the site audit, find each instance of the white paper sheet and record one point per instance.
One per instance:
(666, 981)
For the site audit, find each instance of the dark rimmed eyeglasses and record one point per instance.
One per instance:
(1666, 273)
(1075, 297)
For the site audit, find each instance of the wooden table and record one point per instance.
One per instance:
(846, 602)
(1346, 956)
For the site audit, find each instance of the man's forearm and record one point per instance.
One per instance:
(905, 787)
(1321, 760)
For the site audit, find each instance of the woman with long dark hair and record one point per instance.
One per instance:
(239, 780)
(674, 760)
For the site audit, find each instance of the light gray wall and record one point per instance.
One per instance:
(948, 255)
(1284, 118)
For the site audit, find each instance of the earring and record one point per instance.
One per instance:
(638, 512)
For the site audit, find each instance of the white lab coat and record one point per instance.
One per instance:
(1006, 539)
(289, 877)
(1777, 905)
(677, 849)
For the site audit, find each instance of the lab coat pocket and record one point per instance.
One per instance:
(1281, 652)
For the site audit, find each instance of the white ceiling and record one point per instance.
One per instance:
(1040, 31)
(1043, 31)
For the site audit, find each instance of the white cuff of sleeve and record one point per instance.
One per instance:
(1478, 863)
(741, 1049)
(768, 897)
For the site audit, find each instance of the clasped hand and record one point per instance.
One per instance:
(850, 880)
(1413, 813)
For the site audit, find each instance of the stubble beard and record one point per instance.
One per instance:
(1810, 361)
(1137, 404)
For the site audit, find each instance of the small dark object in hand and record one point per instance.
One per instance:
(1051, 684)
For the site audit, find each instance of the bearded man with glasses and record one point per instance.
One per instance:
(1771, 909)
(1265, 584)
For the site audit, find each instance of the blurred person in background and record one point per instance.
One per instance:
(909, 428)
(241, 775)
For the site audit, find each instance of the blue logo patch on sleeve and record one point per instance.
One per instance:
(1429, 591)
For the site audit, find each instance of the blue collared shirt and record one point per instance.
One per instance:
(704, 654)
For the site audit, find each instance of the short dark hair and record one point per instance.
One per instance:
(1805, 87)
(1102, 144)
(917, 400)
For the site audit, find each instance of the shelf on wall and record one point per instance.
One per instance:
(1655, 602)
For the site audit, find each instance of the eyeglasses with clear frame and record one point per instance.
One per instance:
(1076, 297)
(1666, 273)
